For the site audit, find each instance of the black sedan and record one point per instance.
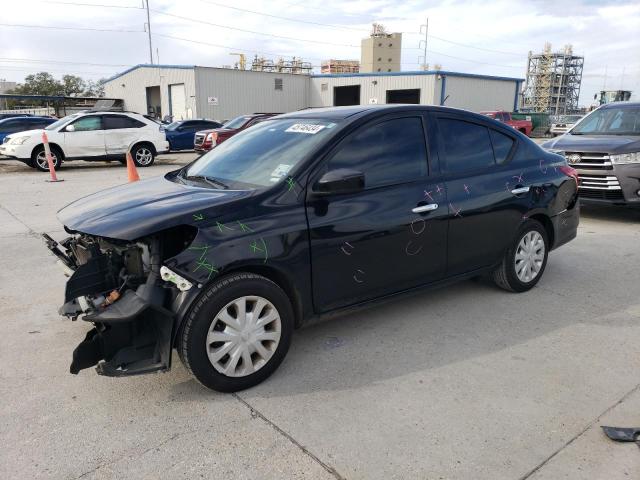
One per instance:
(305, 215)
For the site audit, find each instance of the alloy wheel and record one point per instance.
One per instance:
(41, 160)
(143, 156)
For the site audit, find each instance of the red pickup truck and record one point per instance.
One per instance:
(524, 126)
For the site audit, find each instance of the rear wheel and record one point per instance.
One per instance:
(524, 262)
(143, 155)
(39, 159)
(237, 333)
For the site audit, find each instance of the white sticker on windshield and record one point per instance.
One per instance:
(305, 128)
(280, 171)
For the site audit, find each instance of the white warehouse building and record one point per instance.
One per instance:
(189, 91)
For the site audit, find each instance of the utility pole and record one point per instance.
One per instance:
(426, 37)
(146, 5)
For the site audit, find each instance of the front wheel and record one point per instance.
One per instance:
(238, 332)
(142, 155)
(524, 262)
(39, 159)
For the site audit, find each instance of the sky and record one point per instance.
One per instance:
(98, 38)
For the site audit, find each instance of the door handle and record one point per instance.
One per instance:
(519, 190)
(425, 208)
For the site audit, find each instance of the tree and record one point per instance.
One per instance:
(94, 89)
(41, 83)
(73, 86)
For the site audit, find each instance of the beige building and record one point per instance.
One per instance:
(381, 53)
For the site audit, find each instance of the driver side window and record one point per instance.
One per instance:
(87, 123)
(389, 152)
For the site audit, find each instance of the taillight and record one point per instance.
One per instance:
(570, 172)
(212, 137)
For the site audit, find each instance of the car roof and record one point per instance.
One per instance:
(620, 104)
(357, 111)
(3, 120)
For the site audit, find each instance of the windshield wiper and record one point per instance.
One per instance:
(211, 181)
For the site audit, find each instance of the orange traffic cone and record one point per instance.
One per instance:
(47, 152)
(132, 173)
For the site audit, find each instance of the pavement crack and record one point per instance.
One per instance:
(257, 414)
(580, 433)
(31, 232)
(137, 455)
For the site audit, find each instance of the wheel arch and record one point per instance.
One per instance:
(548, 226)
(146, 143)
(51, 145)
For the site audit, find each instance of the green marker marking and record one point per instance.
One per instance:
(292, 183)
(204, 249)
(266, 251)
(254, 246)
(243, 227)
(207, 266)
(198, 216)
(222, 226)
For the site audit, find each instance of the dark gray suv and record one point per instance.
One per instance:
(605, 149)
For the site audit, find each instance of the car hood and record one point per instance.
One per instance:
(218, 130)
(27, 133)
(594, 143)
(134, 210)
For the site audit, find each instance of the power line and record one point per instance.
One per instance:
(284, 18)
(62, 62)
(78, 4)
(196, 20)
(70, 28)
(477, 48)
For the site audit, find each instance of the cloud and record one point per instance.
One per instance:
(472, 36)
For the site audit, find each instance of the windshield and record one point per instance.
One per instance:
(237, 122)
(568, 118)
(262, 155)
(610, 121)
(61, 122)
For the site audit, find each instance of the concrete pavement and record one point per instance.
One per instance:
(463, 382)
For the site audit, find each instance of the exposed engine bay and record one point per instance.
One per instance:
(125, 291)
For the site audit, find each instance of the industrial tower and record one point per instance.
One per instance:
(553, 82)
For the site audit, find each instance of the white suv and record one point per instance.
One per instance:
(90, 136)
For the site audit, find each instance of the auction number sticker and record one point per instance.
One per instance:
(305, 128)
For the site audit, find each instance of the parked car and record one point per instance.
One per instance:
(523, 126)
(90, 136)
(205, 140)
(181, 134)
(605, 150)
(563, 123)
(305, 215)
(12, 115)
(21, 124)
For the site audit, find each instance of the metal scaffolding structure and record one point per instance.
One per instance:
(295, 66)
(553, 82)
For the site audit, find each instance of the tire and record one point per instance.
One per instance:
(511, 274)
(212, 361)
(39, 160)
(143, 155)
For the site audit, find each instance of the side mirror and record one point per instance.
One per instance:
(69, 128)
(342, 180)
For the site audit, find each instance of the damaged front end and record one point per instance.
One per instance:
(118, 286)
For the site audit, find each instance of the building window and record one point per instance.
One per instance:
(390, 60)
(391, 44)
(379, 59)
(380, 44)
(324, 87)
(278, 83)
(378, 69)
(388, 69)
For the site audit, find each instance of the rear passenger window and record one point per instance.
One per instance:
(467, 145)
(389, 152)
(502, 145)
(113, 122)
